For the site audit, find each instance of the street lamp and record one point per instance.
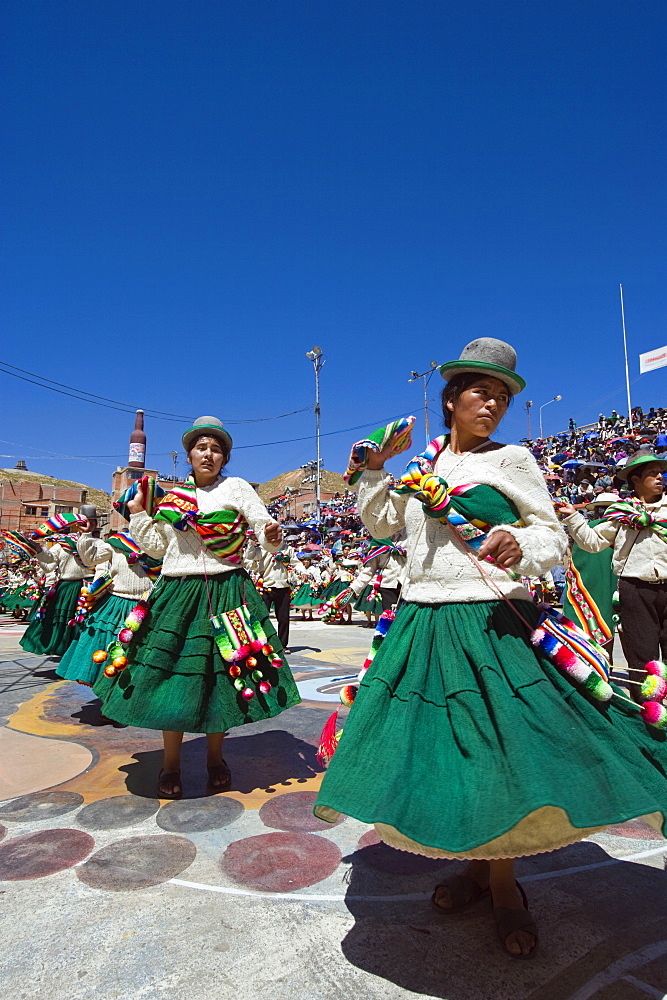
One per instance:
(556, 399)
(426, 376)
(318, 360)
(174, 458)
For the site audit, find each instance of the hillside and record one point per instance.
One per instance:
(101, 499)
(332, 482)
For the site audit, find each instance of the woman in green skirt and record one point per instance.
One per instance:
(130, 576)
(465, 741)
(49, 632)
(187, 670)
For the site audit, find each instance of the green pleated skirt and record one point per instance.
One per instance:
(176, 678)
(306, 597)
(368, 607)
(333, 589)
(464, 741)
(96, 632)
(51, 635)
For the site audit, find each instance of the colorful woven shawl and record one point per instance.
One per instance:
(398, 433)
(633, 515)
(151, 492)
(55, 524)
(20, 546)
(471, 509)
(223, 532)
(125, 543)
(381, 547)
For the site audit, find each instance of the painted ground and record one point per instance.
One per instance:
(107, 892)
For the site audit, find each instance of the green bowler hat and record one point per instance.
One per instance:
(206, 426)
(637, 460)
(490, 357)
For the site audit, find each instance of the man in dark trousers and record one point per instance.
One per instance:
(271, 568)
(636, 528)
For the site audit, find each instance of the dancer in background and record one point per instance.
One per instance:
(184, 672)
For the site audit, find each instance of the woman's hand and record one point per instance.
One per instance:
(565, 509)
(501, 548)
(86, 526)
(273, 533)
(136, 504)
(375, 459)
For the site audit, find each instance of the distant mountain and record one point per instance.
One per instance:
(331, 482)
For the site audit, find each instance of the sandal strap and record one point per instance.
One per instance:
(508, 921)
(462, 890)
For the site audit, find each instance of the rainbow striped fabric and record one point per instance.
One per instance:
(472, 509)
(150, 490)
(223, 532)
(20, 546)
(398, 434)
(123, 542)
(55, 524)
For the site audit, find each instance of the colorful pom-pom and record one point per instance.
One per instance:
(251, 662)
(348, 694)
(115, 649)
(125, 636)
(110, 671)
(657, 668)
(653, 688)
(267, 649)
(256, 645)
(264, 687)
(247, 694)
(597, 687)
(257, 675)
(119, 662)
(133, 625)
(239, 684)
(654, 714)
(100, 656)
(276, 662)
(234, 670)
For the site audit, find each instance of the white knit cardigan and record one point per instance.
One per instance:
(439, 568)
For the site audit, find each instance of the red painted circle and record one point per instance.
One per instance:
(280, 862)
(35, 855)
(293, 812)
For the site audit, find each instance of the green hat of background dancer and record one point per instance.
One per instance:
(487, 356)
(206, 426)
(637, 460)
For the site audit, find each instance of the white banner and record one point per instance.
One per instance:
(652, 359)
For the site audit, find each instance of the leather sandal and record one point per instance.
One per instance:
(463, 892)
(508, 921)
(169, 778)
(219, 776)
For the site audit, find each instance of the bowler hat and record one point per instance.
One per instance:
(206, 427)
(487, 356)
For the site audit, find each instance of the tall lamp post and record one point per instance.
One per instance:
(556, 399)
(528, 407)
(426, 376)
(318, 360)
(174, 458)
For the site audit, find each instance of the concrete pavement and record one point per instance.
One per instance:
(106, 892)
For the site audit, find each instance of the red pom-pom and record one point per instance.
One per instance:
(564, 658)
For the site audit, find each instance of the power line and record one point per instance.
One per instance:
(124, 407)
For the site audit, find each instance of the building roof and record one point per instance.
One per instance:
(101, 499)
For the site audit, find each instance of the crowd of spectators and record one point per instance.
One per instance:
(580, 464)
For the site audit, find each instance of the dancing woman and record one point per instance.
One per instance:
(176, 679)
(464, 740)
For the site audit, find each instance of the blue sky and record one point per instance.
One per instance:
(197, 193)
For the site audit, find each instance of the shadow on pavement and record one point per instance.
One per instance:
(587, 921)
(260, 760)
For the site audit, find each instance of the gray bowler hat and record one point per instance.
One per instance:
(209, 426)
(488, 356)
(639, 458)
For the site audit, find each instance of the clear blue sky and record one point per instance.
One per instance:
(197, 193)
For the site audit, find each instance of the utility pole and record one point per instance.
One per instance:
(318, 360)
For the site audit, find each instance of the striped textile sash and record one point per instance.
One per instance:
(123, 542)
(382, 549)
(223, 532)
(471, 509)
(633, 515)
(398, 434)
(20, 547)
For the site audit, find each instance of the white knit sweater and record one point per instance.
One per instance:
(60, 564)
(183, 552)
(128, 581)
(439, 570)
